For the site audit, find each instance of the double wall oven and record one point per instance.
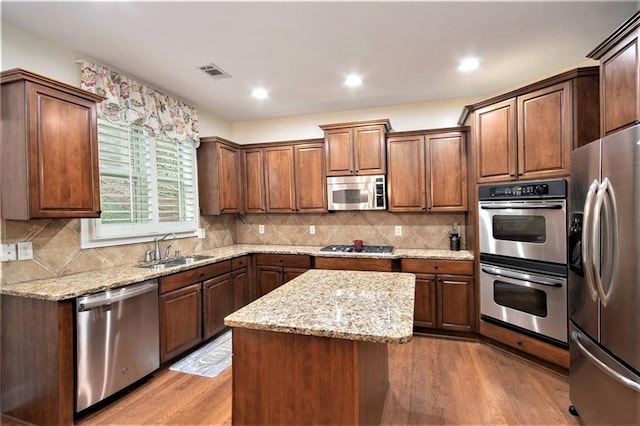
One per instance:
(523, 257)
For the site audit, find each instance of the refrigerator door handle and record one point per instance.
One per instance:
(627, 378)
(611, 259)
(603, 188)
(587, 244)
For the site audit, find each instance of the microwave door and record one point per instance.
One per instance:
(350, 197)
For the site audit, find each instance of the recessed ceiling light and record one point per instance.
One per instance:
(353, 80)
(260, 93)
(469, 64)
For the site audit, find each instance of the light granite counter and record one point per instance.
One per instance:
(365, 306)
(71, 286)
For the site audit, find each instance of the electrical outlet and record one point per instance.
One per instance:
(398, 231)
(201, 233)
(25, 251)
(312, 229)
(8, 253)
(260, 229)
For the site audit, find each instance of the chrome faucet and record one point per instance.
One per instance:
(156, 251)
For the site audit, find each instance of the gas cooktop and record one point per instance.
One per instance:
(336, 248)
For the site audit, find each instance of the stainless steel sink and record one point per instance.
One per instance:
(169, 263)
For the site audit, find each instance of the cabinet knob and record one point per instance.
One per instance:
(99, 211)
(512, 174)
(519, 342)
(435, 267)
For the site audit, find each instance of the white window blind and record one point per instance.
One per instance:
(147, 187)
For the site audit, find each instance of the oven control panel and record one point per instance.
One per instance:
(520, 190)
(541, 189)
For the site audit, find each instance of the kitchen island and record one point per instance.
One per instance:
(315, 349)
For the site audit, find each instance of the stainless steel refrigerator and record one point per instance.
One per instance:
(604, 279)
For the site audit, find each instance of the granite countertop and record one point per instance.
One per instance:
(368, 306)
(71, 286)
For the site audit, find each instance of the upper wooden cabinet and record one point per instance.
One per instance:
(294, 178)
(356, 148)
(254, 190)
(219, 177)
(48, 149)
(427, 171)
(529, 133)
(619, 57)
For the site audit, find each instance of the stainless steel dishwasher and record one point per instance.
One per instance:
(117, 340)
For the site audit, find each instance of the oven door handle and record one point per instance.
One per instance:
(522, 206)
(520, 277)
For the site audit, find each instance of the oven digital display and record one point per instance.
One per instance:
(523, 228)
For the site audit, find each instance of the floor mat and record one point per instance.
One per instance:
(210, 360)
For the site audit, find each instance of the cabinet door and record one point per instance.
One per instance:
(494, 130)
(217, 304)
(369, 150)
(406, 184)
(310, 183)
(620, 85)
(63, 151)
(290, 273)
(254, 201)
(544, 132)
(180, 320)
(339, 152)
(455, 303)
(269, 278)
(424, 314)
(229, 179)
(241, 291)
(447, 172)
(279, 179)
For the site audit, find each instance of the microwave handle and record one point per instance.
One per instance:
(521, 277)
(521, 206)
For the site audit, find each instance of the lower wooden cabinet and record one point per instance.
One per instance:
(273, 270)
(445, 294)
(180, 320)
(217, 302)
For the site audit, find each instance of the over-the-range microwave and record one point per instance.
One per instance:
(357, 192)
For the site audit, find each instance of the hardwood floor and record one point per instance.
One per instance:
(432, 381)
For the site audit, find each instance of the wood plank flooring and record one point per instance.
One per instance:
(433, 380)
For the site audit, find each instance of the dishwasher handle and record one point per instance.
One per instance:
(102, 299)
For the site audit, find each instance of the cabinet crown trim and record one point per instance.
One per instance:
(19, 74)
(616, 36)
(379, 122)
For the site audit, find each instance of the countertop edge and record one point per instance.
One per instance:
(79, 284)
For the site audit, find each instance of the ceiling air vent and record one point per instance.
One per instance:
(215, 71)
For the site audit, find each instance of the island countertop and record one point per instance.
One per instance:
(364, 306)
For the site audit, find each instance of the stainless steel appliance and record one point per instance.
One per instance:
(526, 221)
(604, 280)
(337, 248)
(117, 340)
(523, 255)
(357, 192)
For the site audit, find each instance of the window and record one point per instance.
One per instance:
(147, 187)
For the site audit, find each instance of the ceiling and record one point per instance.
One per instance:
(301, 52)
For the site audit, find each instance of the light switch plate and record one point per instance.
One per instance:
(260, 229)
(201, 233)
(8, 253)
(25, 251)
(312, 229)
(398, 231)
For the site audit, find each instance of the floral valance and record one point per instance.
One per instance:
(128, 102)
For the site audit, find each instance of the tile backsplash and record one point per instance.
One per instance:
(57, 252)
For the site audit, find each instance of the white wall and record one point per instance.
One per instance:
(24, 49)
(418, 116)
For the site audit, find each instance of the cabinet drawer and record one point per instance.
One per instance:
(294, 260)
(239, 262)
(354, 264)
(181, 279)
(433, 266)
